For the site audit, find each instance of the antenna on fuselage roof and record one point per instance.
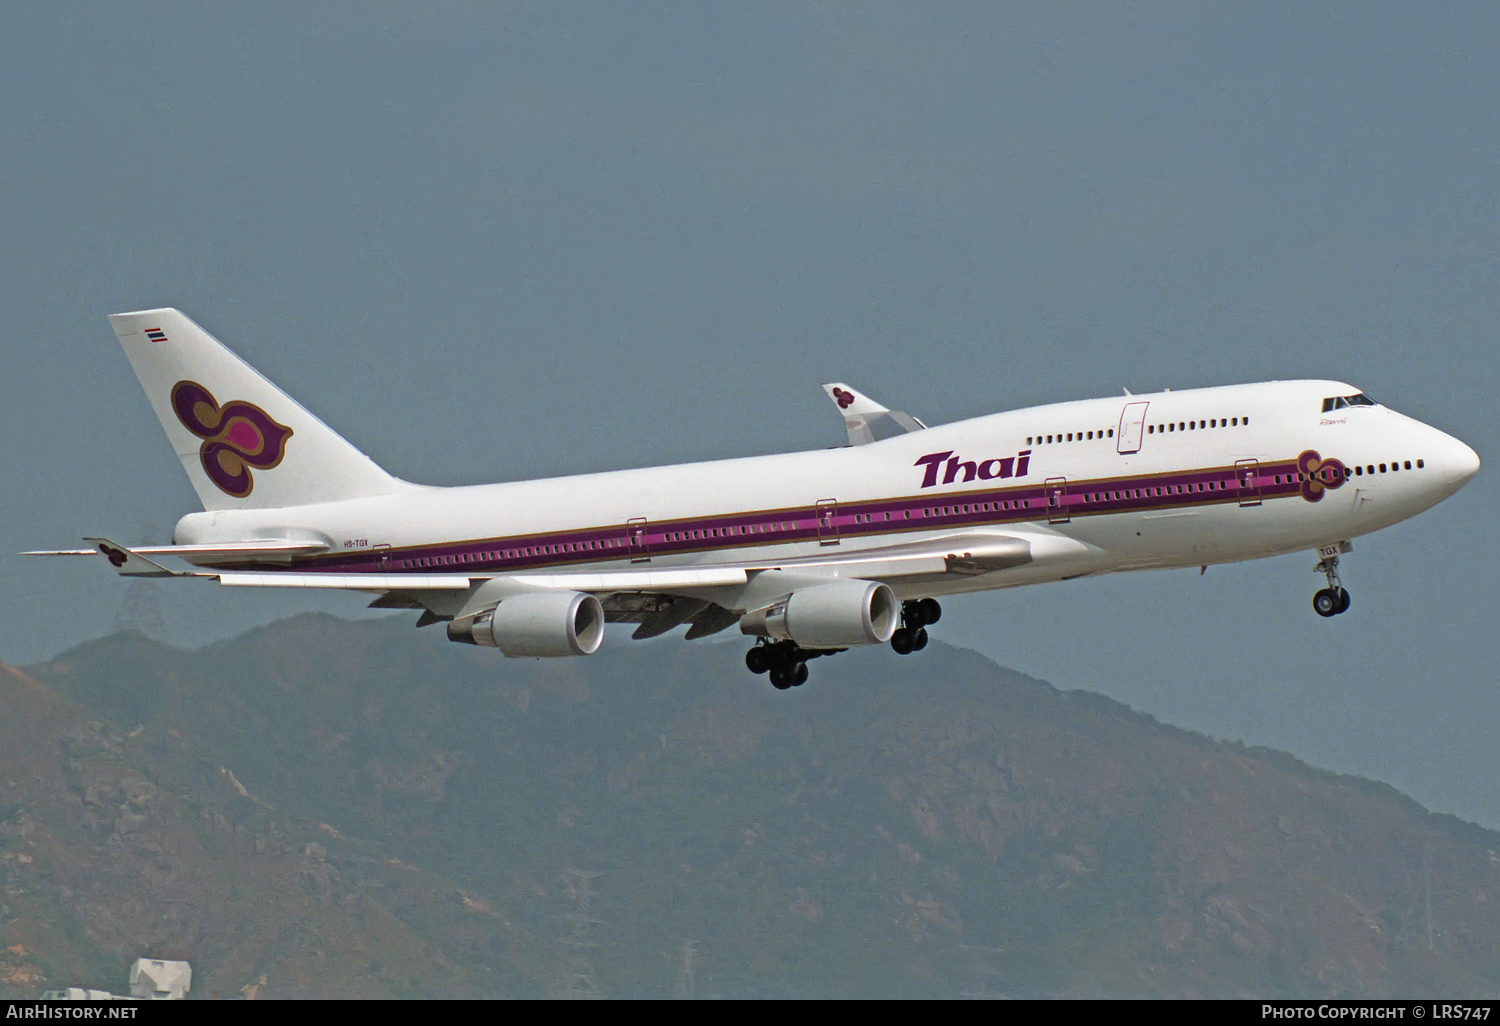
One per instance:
(1129, 392)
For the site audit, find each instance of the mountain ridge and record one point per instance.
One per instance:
(937, 826)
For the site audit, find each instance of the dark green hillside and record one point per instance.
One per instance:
(652, 820)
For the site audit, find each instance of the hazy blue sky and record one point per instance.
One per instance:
(490, 243)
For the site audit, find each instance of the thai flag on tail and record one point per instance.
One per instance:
(156, 334)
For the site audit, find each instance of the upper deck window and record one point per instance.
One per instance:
(1339, 402)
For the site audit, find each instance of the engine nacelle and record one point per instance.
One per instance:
(835, 615)
(541, 624)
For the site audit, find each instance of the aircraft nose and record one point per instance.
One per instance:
(1458, 462)
(1467, 463)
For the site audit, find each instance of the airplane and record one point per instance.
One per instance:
(808, 553)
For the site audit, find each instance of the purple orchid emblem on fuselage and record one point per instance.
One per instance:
(236, 437)
(844, 399)
(1318, 475)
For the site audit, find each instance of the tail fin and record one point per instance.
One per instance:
(244, 443)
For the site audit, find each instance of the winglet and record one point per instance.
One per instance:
(865, 419)
(128, 563)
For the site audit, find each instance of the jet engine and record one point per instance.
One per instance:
(835, 615)
(541, 623)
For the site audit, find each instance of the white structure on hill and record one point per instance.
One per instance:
(158, 980)
(79, 994)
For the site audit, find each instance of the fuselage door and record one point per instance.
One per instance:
(828, 521)
(1247, 480)
(1057, 500)
(635, 535)
(1132, 428)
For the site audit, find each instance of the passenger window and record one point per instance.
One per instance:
(1421, 464)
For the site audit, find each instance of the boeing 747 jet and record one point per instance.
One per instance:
(808, 553)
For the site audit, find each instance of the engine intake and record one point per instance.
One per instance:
(835, 615)
(541, 624)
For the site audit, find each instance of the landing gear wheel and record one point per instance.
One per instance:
(756, 660)
(781, 677)
(903, 640)
(931, 612)
(1343, 600)
(799, 674)
(1326, 603)
(919, 640)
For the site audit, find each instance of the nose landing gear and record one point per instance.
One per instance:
(911, 636)
(1334, 599)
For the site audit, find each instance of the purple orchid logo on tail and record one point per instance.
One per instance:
(236, 437)
(844, 399)
(1319, 475)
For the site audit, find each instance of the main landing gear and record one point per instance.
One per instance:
(911, 636)
(785, 661)
(1334, 599)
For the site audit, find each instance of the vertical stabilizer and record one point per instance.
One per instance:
(244, 443)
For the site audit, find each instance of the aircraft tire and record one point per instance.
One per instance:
(931, 611)
(1343, 600)
(781, 677)
(757, 661)
(798, 673)
(1325, 602)
(912, 615)
(919, 640)
(902, 640)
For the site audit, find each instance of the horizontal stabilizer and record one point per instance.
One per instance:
(128, 563)
(257, 550)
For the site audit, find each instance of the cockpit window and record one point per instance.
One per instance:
(1340, 402)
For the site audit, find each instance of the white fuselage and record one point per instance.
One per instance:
(1219, 475)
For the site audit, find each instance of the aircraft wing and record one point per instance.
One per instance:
(964, 554)
(710, 597)
(865, 419)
